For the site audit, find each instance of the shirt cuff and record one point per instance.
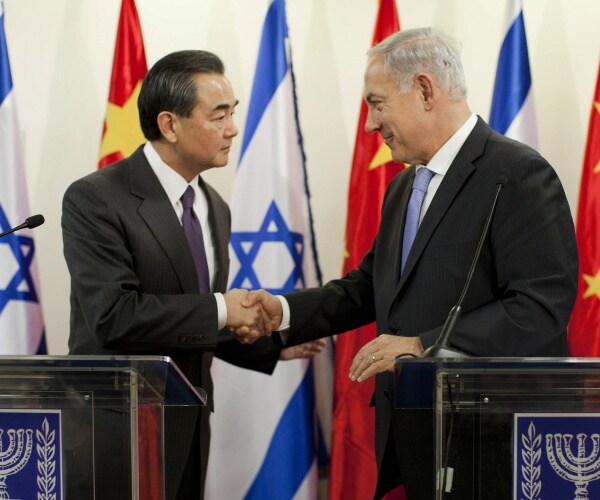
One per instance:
(222, 311)
(284, 327)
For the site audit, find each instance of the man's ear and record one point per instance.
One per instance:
(167, 125)
(426, 88)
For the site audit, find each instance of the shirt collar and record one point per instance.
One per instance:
(443, 158)
(173, 183)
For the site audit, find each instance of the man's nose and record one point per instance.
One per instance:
(371, 125)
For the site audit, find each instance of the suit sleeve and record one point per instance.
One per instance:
(261, 356)
(339, 306)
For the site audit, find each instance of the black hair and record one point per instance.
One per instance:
(170, 86)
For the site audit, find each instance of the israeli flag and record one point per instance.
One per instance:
(513, 110)
(264, 431)
(21, 323)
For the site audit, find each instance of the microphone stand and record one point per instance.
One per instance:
(442, 348)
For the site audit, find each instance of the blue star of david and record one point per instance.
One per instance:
(246, 245)
(20, 286)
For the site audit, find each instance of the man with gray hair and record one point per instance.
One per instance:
(524, 283)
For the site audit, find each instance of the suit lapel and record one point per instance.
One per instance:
(459, 172)
(157, 212)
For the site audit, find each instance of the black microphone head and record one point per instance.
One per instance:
(503, 177)
(34, 221)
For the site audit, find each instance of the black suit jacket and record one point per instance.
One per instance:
(524, 285)
(134, 287)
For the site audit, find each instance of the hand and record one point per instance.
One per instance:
(249, 323)
(270, 304)
(306, 350)
(380, 355)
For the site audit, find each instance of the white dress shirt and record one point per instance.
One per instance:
(175, 185)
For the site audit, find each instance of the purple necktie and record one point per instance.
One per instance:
(193, 233)
(419, 189)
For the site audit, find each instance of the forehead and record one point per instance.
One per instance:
(214, 90)
(376, 82)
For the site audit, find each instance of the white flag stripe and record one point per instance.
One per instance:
(513, 9)
(524, 126)
(309, 486)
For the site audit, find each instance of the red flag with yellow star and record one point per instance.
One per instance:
(122, 133)
(584, 328)
(353, 468)
(121, 136)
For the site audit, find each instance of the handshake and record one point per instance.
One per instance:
(251, 315)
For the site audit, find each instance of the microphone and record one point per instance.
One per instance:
(442, 348)
(30, 222)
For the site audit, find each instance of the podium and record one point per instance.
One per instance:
(508, 427)
(70, 424)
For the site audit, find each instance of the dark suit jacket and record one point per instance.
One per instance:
(134, 287)
(524, 285)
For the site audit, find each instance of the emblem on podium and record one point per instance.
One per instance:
(556, 456)
(30, 451)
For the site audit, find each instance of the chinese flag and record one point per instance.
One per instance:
(122, 133)
(584, 328)
(353, 467)
(121, 136)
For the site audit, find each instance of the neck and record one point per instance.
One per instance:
(446, 124)
(169, 156)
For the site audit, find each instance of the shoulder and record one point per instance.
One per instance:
(107, 176)
(115, 178)
(502, 156)
(214, 198)
(519, 160)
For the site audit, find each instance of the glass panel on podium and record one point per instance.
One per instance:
(509, 428)
(83, 426)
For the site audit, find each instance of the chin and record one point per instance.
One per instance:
(398, 158)
(221, 161)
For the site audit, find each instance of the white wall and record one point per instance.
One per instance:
(61, 55)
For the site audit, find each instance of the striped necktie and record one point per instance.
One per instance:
(193, 233)
(413, 213)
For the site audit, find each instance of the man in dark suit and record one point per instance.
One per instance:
(136, 286)
(525, 281)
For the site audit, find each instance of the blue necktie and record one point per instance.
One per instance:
(419, 189)
(193, 233)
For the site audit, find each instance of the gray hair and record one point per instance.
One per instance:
(409, 52)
